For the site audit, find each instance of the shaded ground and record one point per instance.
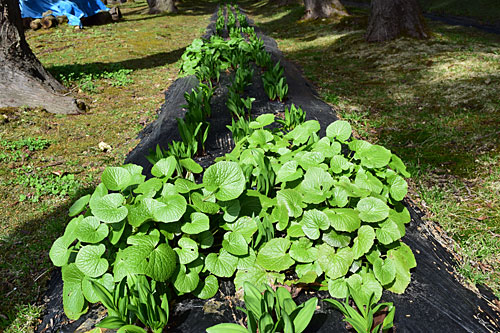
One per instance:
(121, 71)
(435, 103)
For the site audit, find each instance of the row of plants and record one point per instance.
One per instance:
(284, 207)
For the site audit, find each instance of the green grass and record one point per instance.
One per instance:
(46, 161)
(434, 103)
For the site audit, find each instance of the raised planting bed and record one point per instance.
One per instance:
(246, 176)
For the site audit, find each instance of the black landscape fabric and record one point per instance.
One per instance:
(435, 301)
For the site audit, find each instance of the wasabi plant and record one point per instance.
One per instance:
(271, 311)
(362, 316)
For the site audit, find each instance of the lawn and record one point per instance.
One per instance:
(435, 103)
(46, 161)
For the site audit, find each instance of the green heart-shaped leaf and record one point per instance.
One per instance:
(89, 261)
(226, 179)
(372, 209)
(188, 251)
(116, 178)
(90, 230)
(273, 255)
(109, 208)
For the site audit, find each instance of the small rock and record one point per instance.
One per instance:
(104, 146)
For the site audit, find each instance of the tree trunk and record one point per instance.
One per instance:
(23, 80)
(390, 19)
(161, 6)
(315, 9)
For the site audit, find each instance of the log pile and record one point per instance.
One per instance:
(49, 20)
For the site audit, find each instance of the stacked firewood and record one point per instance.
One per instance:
(49, 20)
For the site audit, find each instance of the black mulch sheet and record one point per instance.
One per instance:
(435, 301)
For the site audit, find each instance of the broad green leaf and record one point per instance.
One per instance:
(205, 203)
(109, 208)
(375, 157)
(335, 265)
(246, 226)
(222, 265)
(73, 300)
(231, 210)
(343, 219)
(149, 187)
(60, 252)
(399, 187)
(89, 261)
(313, 221)
(295, 230)
(235, 243)
(131, 329)
(273, 255)
(336, 239)
(147, 256)
(339, 163)
(258, 277)
(191, 165)
(302, 250)
(404, 261)
(305, 269)
(365, 179)
(188, 250)
(389, 232)
(288, 172)
(99, 192)
(301, 133)
(171, 208)
(340, 197)
(185, 279)
(309, 159)
(226, 179)
(88, 291)
(142, 212)
(79, 205)
(116, 178)
(338, 288)
(207, 288)
(260, 138)
(384, 270)
(398, 165)
(90, 230)
(199, 223)
(372, 209)
(340, 129)
(136, 176)
(247, 260)
(262, 121)
(227, 328)
(185, 185)
(292, 200)
(364, 242)
(315, 186)
(206, 239)
(164, 167)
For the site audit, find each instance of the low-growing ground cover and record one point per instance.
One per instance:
(120, 71)
(435, 103)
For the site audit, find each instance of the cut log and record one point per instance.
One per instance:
(48, 22)
(116, 14)
(36, 24)
(27, 22)
(62, 19)
(100, 18)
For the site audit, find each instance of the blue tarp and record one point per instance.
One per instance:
(73, 9)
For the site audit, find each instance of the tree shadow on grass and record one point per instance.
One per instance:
(97, 68)
(25, 267)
